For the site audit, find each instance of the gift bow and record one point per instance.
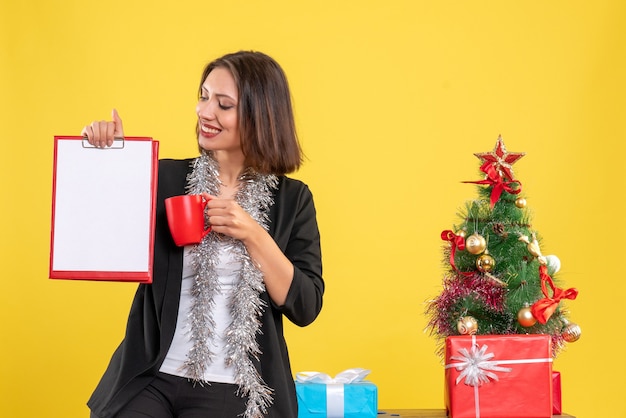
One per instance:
(476, 365)
(346, 376)
(334, 387)
(544, 308)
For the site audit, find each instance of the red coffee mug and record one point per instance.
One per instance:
(185, 217)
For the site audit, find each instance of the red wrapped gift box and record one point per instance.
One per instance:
(557, 407)
(499, 376)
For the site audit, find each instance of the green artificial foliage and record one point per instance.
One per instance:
(493, 293)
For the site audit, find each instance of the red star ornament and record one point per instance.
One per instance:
(501, 159)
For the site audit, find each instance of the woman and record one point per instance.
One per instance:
(206, 337)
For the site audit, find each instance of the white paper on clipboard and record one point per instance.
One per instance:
(103, 209)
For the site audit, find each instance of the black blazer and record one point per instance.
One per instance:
(152, 318)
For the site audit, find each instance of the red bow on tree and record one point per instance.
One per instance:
(495, 179)
(544, 308)
(497, 164)
(457, 241)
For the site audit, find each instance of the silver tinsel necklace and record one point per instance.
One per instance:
(246, 306)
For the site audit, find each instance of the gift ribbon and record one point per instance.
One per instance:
(495, 180)
(477, 367)
(334, 387)
(545, 307)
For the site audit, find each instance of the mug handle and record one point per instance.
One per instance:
(205, 202)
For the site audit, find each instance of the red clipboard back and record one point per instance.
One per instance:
(103, 210)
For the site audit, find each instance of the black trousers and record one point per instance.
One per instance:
(176, 397)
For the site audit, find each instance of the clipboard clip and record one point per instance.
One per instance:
(118, 143)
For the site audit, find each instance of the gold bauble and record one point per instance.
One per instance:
(475, 244)
(485, 263)
(525, 317)
(571, 332)
(520, 202)
(461, 233)
(467, 325)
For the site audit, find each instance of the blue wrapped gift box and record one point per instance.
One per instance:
(357, 399)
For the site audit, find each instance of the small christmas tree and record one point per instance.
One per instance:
(497, 281)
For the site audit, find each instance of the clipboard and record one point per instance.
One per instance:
(103, 209)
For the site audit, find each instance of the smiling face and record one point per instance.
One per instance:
(218, 124)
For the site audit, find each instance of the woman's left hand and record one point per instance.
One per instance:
(228, 218)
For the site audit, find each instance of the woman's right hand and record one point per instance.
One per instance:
(101, 133)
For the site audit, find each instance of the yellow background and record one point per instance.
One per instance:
(392, 99)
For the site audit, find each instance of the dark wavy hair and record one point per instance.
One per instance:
(265, 114)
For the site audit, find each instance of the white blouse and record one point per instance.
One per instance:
(217, 371)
